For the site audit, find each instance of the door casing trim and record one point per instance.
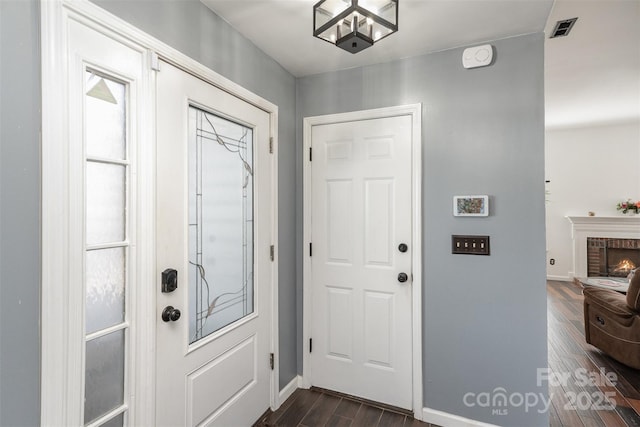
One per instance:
(415, 111)
(57, 378)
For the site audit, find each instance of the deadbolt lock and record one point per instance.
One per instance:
(169, 280)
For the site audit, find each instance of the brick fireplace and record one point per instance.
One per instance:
(608, 257)
(600, 241)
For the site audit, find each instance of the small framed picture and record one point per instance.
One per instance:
(470, 205)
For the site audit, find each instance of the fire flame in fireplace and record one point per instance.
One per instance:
(624, 266)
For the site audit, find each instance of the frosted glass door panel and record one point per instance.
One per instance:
(118, 421)
(220, 222)
(105, 117)
(105, 278)
(104, 375)
(106, 192)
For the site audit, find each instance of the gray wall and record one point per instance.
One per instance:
(19, 213)
(483, 133)
(193, 29)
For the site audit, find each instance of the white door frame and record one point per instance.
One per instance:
(60, 376)
(415, 111)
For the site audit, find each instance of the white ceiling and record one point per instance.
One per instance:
(591, 76)
(283, 29)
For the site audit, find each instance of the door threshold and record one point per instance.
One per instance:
(368, 402)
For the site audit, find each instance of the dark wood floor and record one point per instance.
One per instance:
(574, 404)
(316, 408)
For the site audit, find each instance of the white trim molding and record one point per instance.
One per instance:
(440, 418)
(288, 390)
(558, 278)
(55, 218)
(415, 111)
(617, 227)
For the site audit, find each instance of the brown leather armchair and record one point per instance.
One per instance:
(612, 321)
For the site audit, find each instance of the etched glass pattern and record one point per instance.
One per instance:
(220, 222)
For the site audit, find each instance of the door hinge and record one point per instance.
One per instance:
(271, 145)
(272, 252)
(310, 345)
(310, 154)
(155, 62)
(310, 249)
(271, 360)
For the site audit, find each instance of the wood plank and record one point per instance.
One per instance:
(272, 418)
(412, 422)
(367, 416)
(348, 408)
(635, 404)
(391, 419)
(336, 421)
(559, 400)
(554, 419)
(629, 416)
(321, 411)
(298, 409)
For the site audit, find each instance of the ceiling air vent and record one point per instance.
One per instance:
(563, 27)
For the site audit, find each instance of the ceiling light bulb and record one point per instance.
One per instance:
(378, 35)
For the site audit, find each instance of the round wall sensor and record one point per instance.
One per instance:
(478, 56)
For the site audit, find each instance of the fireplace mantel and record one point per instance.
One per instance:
(620, 227)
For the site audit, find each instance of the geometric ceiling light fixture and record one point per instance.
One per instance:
(354, 25)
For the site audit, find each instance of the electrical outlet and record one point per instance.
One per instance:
(470, 245)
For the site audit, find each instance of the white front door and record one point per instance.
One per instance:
(361, 260)
(214, 230)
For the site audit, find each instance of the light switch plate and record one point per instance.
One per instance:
(470, 245)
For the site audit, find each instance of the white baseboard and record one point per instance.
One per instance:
(288, 390)
(445, 419)
(560, 278)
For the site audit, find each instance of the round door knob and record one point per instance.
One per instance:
(170, 314)
(402, 247)
(402, 277)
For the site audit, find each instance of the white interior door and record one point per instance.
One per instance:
(214, 222)
(361, 214)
